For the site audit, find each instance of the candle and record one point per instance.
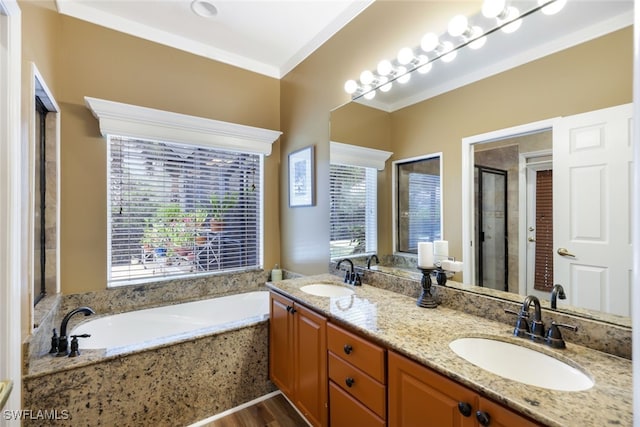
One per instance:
(425, 254)
(440, 250)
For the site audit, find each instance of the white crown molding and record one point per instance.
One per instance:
(354, 155)
(141, 122)
(87, 13)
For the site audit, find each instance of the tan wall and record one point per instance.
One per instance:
(88, 60)
(37, 49)
(586, 77)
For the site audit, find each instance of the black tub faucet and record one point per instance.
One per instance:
(63, 344)
(557, 292)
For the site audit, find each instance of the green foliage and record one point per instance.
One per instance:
(221, 204)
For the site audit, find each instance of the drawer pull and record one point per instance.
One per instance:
(348, 349)
(483, 418)
(464, 408)
(349, 381)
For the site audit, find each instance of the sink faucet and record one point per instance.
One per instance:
(350, 277)
(371, 258)
(557, 292)
(537, 326)
(63, 347)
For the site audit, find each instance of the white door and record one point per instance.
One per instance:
(592, 165)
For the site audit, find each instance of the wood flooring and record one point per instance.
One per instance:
(273, 412)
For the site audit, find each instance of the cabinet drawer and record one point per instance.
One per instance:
(358, 384)
(348, 412)
(364, 355)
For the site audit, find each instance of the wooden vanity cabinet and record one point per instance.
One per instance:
(298, 357)
(420, 397)
(357, 380)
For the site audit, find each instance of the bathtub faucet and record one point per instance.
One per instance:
(63, 343)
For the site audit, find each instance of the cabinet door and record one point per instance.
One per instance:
(281, 343)
(422, 398)
(500, 416)
(310, 361)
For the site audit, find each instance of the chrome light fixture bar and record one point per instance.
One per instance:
(431, 48)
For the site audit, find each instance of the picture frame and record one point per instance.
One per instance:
(302, 177)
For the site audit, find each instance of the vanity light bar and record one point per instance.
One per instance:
(508, 20)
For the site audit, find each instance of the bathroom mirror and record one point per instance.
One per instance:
(396, 121)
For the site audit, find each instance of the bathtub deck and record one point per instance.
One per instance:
(273, 412)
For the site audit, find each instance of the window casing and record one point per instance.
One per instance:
(178, 209)
(353, 210)
(418, 202)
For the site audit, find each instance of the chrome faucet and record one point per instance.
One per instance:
(63, 344)
(557, 292)
(350, 277)
(370, 259)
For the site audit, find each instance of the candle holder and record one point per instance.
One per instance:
(441, 276)
(426, 300)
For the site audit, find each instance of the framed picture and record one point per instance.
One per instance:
(301, 175)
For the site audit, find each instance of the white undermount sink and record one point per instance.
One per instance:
(521, 364)
(327, 290)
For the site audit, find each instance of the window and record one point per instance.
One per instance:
(419, 207)
(353, 216)
(178, 209)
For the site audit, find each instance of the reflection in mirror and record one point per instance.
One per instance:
(353, 192)
(419, 207)
(499, 204)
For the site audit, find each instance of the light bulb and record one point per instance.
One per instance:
(458, 25)
(479, 42)
(370, 95)
(448, 54)
(493, 8)
(405, 55)
(553, 8)
(429, 42)
(425, 68)
(366, 77)
(385, 85)
(350, 86)
(404, 76)
(384, 67)
(512, 13)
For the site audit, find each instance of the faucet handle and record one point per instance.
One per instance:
(522, 327)
(554, 337)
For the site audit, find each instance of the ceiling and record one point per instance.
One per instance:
(269, 37)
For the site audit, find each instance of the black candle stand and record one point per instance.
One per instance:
(426, 300)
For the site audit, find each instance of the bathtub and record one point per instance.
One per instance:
(139, 329)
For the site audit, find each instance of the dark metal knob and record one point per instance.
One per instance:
(348, 349)
(349, 381)
(289, 308)
(293, 310)
(465, 408)
(483, 418)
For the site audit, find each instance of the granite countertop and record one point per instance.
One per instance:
(424, 335)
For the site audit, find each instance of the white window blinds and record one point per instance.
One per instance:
(424, 209)
(353, 216)
(178, 209)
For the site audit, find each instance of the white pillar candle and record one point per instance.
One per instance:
(425, 254)
(440, 250)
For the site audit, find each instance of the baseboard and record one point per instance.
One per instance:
(235, 409)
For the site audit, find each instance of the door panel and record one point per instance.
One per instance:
(592, 174)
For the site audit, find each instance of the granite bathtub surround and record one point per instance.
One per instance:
(134, 297)
(175, 384)
(599, 335)
(393, 320)
(165, 384)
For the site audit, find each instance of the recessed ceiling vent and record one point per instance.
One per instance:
(204, 8)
